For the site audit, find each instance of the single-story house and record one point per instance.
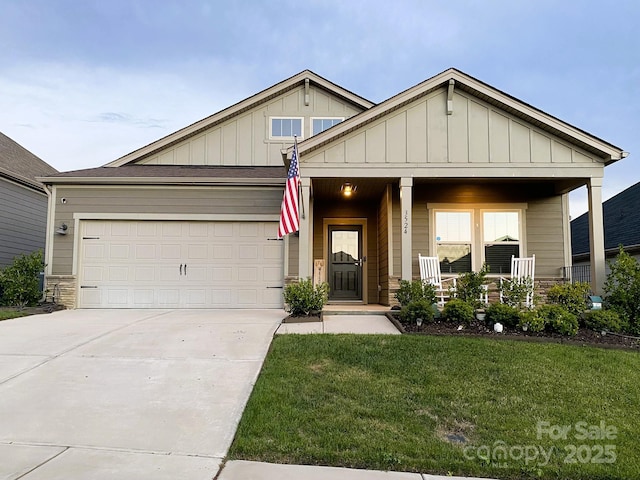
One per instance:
(621, 214)
(451, 167)
(23, 201)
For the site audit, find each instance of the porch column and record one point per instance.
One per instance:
(596, 235)
(406, 206)
(306, 230)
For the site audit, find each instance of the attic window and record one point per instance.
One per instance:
(282, 127)
(324, 123)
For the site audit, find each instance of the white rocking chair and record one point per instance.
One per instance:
(522, 270)
(430, 273)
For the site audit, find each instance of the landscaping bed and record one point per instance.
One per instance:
(479, 329)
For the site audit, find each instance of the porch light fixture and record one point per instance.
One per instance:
(347, 189)
(62, 230)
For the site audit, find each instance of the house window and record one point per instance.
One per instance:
(453, 241)
(322, 124)
(286, 127)
(466, 239)
(501, 239)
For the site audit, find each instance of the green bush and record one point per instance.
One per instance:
(603, 320)
(515, 292)
(417, 309)
(571, 296)
(303, 299)
(550, 318)
(458, 311)
(20, 281)
(507, 315)
(622, 290)
(415, 290)
(531, 321)
(469, 286)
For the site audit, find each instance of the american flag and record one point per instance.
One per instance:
(289, 220)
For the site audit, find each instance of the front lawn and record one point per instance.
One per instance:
(8, 313)
(465, 406)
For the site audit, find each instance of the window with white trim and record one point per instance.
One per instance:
(454, 241)
(501, 239)
(286, 127)
(320, 124)
(465, 239)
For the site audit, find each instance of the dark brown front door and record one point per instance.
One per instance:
(345, 262)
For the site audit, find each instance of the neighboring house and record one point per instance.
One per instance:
(23, 201)
(450, 167)
(621, 215)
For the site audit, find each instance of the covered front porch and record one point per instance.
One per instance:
(363, 244)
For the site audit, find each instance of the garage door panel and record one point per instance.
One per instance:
(137, 264)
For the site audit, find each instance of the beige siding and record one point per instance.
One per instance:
(244, 139)
(545, 236)
(397, 231)
(157, 200)
(294, 250)
(475, 133)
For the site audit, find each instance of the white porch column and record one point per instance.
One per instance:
(596, 235)
(305, 263)
(406, 206)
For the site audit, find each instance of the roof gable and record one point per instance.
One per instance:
(454, 80)
(238, 109)
(19, 164)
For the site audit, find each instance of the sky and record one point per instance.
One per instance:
(83, 82)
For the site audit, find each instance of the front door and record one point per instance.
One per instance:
(345, 262)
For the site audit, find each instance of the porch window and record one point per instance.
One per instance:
(501, 239)
(466, 239)
(453, 241)
(286, 127)
(322, 124)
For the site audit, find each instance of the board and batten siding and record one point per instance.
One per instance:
(545, 236)
(154, 200)
(23, 221)
(476, 133)
(243, 140)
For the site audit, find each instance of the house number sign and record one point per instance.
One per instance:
(405, 225)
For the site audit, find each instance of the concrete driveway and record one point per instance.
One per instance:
(126, 394)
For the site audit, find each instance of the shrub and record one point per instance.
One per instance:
(417, 309)
(302, 298)
(622, 290)
(557, 319)
(469, 286)
(415, 290)
(458, 311)
(515, 292)
(507, 315)
(19, 282)
(571, 296)
(603, 320)
(531, 321)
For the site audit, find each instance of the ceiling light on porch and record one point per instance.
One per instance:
(347, 189)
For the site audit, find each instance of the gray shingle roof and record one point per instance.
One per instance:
(205, 173)
(621, 223)
(19, 164)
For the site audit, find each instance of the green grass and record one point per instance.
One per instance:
(390, 403)
(6, 314)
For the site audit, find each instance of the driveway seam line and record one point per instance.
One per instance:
(64, 352)
(42, 463)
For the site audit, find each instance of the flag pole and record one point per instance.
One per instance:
(300, 197)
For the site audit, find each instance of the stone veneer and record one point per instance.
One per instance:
(61, 289)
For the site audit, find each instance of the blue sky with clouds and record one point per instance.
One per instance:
(83, 82)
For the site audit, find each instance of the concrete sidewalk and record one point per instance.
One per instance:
(243, 470)
(362, 324)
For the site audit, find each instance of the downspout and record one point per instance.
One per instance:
(48, 241)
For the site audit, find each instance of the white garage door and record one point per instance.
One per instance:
(151, 264)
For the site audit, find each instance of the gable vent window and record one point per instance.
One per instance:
(322, 124)
(286, 127)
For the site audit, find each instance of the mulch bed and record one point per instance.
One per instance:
(584, 337)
